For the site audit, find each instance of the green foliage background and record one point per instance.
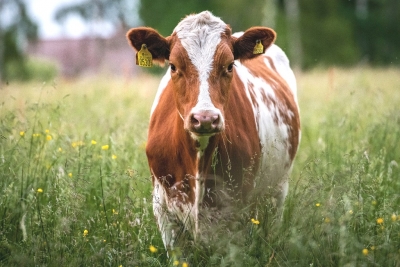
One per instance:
(13, 34)
(331, 32)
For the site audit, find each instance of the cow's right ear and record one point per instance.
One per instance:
(156, 44)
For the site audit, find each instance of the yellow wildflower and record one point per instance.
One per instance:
(36, 135)
(185, 264)
(175, 263)
(114, 156)
(317, 204)
(21, 133)
(105, 147)
(70, 174)
(394, 217)
(365, 251)
(114, 212)
(85, 232)
(93, 142)
(379, 221)
(48, 137)
(59, 149)
(78, 143)
(152, 249)
(47, 131)
(40, 190)
(255, 221)
(350, 211)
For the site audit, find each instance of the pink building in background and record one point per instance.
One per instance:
(88, 55)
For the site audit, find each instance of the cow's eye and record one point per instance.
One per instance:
(173, 68)
(230, 67)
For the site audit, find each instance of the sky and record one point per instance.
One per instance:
(43, 12)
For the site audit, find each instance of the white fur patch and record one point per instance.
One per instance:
(161, 87)
(282, 66)
(168, 212)
(165, 225)
(199, 191)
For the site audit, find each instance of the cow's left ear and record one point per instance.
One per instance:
(244, 46)
(157, 45)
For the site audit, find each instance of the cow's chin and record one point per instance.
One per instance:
(201, 139)
(197, 136)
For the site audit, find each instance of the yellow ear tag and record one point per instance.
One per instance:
(144, 57)
(259, 48)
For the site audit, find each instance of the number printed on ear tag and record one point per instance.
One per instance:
(144, 57)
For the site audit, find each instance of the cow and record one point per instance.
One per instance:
(225, 112)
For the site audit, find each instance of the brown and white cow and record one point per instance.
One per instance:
(221, 114)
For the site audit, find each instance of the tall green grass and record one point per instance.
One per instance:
(72, 159)
(344, 205)
(76, 191)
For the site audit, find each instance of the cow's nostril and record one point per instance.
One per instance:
(215, 121)
(195, 122)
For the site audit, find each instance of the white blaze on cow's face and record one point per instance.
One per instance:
(201, 63)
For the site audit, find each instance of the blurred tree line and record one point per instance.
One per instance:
(312, 32)
(16, 28)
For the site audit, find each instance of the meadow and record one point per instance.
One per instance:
(75, 189)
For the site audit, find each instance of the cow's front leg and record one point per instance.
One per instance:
(165, 220)
(176, 215)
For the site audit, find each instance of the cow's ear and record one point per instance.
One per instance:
(244, 46)
(157, 45)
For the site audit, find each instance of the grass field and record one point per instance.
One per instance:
(75, 189)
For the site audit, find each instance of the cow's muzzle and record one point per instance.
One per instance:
(205, 122)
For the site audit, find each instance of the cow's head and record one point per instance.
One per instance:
(201, 53)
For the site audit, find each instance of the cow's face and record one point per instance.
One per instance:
(201, 66)
(201, 54)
